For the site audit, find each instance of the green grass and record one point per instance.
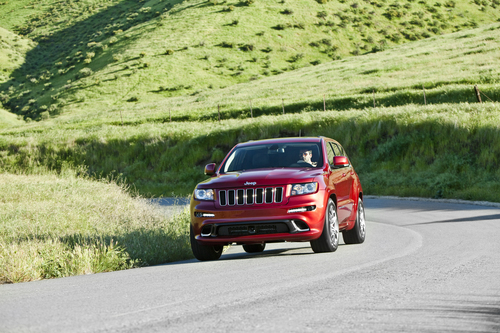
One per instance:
(161, 158)
(8, 119)
(129, 40)
(55, 226)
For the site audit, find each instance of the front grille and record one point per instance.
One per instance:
(251, 196)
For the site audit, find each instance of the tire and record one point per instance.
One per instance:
(357, 234)
(329, 239)
(204, 252)
(254, 248)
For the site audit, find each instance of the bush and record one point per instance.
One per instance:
(297, 57)
(322, 15)
(287, 12)
(169, 52)
(229, 45)
(85, 72)
(247, 47)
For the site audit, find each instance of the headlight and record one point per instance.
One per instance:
(201, 194)
(298, 189)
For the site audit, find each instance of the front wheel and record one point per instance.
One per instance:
(204, 252)
(254, 248)
(357, 234)
(329, 239)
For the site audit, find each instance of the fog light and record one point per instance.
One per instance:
(302, 209)
(201, 214)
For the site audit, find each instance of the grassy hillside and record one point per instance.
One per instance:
(13, 50)
(160, 157)
(96, 54)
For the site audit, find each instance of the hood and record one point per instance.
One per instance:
(261, 178)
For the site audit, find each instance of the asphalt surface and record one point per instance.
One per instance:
(424, 267)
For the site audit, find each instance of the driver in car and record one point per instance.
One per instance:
(306, 155)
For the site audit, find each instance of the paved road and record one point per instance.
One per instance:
(425, 267)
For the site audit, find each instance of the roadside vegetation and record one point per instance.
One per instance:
(55, 226)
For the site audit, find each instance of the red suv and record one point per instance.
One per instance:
(287, 189)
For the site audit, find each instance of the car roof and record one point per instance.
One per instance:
(281, 141)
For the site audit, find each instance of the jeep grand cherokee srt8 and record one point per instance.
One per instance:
(274, 191)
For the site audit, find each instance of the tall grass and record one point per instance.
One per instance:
(161, 159)
(54, 226)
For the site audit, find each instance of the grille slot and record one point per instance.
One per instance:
(253, 229)
(250, 196)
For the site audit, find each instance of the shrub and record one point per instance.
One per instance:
(299, 26)
(326, 41)
(84, 72)
(297, 57)
(229, 45)
(287, 12)
(142, 54)
(113, 40)
(322, 15)
(314, 44)
(133, 99)
(316, 62)
(247, 47)
(117, 57)
(169, 52)
(235, 22)
(267, 49)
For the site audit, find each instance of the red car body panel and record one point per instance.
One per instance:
(342, 184)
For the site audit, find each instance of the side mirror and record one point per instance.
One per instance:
(340, 161)
(210, 169)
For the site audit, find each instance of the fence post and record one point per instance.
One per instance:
(324, 103)
(478, 95)
(218, 111)
(425, 99)
(283, 104)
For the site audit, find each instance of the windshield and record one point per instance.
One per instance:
(285, 155)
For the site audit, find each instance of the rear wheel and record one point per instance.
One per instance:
(254, 248)
(329, 239)
(357, 234)
(204, 252)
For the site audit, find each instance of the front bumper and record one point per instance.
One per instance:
(258, 224)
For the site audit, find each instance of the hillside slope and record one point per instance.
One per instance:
(113, 52)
